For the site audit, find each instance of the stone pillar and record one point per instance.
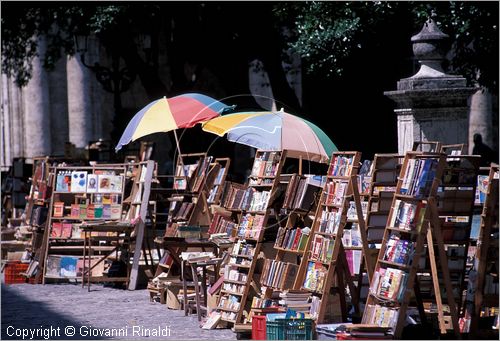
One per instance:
(37, 131)
(79, 102)
(431, 105)
(15, 101)
(6, 143)
(481, 118)
(59, 107)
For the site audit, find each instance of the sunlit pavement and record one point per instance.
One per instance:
(68, 311)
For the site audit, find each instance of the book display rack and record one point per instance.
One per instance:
(455, 205)
(80, 194)
(325, 254)
(218, 171)
(137, 213)
(188, 205)
(413, 218)
(36, 214)
(279, 275)
(253, 206)
(386, 169)
(482, 304)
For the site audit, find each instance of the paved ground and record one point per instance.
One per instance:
(36, 308)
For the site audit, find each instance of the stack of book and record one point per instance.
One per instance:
(266, 164)
(233, 274)
(217, 182)
(242, 248)
(296, 300)
(330, 221)
(182, 210)
(315, 276)
(254, 200)
(399, 251)
(335, 191)
(278, 275)
(352, 214)
(381, 316)
(233, 196)
(353, 258)
(183, 173)
(389, 284)
(221, 223)
(322, 249)
(418, 177)
(292, 239)
(230, 303)
(407, 216)
(352, 237)
(251, 226)
(341, 165)
(201, 172)
(301, 192)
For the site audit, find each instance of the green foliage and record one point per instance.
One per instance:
(326, 33)
(22, 25)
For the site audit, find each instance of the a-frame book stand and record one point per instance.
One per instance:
(413, 219)
(486, 255)
(138, 211)
(216, 179)
(239, 272)
(386, 169)
(188, 204)
(325, 256)
(299, 206)
(455, 205)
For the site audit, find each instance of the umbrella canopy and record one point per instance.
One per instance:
(275, 131)
(166, 114)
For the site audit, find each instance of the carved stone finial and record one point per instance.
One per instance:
(429, 47)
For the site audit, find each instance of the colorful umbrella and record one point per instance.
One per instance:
(275, 131)
(166, 114)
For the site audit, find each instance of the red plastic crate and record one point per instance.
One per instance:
(12, 272)
(259, 327)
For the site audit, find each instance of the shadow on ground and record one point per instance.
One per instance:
(22, 315)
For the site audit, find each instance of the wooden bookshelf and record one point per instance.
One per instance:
(253, 205)
(455, 205)
(36, 213)
(138, 211)
(188, 204)
(386, 169)
(80, 194)
(217, 175)
(294, 227)
(413, 210)
(484, 296)
(325, 256)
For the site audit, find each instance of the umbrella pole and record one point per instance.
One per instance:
(180, 158)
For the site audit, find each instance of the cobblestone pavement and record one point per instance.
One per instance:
(40, 307)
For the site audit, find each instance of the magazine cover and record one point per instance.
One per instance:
(78, 181)
(92, 181)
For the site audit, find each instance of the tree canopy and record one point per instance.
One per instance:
(326, 33)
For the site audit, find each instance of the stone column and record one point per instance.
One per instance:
(431, 105)
(79, 102)
(17, 118)
(6, 143)
(37, 131)
(59, 107)
(481, 119)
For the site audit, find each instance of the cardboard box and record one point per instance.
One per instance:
(172, 290)
(212, 301)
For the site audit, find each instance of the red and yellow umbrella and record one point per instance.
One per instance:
(166, 114)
